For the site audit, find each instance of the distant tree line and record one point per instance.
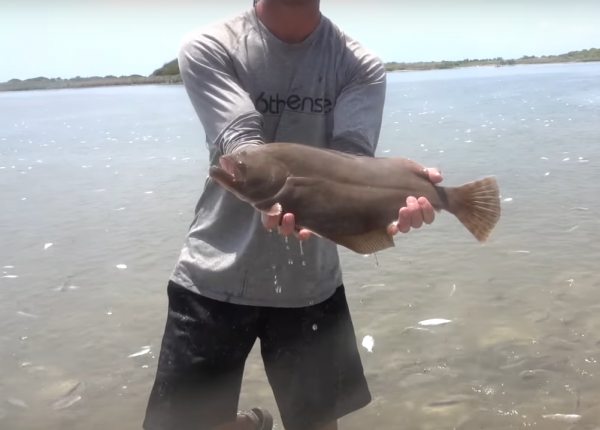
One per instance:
(172, 67)
(584, 55)
(169, 72)
(42, 83)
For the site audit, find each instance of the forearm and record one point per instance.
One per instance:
(224, 108)
(358, 111)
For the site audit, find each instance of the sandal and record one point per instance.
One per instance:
(261, 418)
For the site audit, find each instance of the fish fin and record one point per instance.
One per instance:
(368, 243)
(476, 205)
(269, 210)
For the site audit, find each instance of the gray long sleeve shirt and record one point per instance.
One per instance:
(248, 87)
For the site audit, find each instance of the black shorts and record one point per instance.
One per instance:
(310, 356)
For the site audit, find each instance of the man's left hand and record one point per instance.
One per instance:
(416, 212)
(413, 215)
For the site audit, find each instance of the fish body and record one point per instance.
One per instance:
(349, 199)
(435, 321)
(567, 418)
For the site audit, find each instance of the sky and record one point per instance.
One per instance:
(68, 38)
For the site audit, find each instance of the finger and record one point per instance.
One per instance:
(287, 225)
(303, 234)
(427, 210)
(270, 222)
(416, 217)
(435, 175)
(403, 220)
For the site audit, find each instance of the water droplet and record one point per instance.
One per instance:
(314, 327)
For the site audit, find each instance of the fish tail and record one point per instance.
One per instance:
(476, 205)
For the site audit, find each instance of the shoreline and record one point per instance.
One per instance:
(38, 84)
(549, 63)
(490, 65)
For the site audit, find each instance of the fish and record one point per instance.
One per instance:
(352, 200)
(435, 321)
(567, 418)
(65, 402)
(145, 350)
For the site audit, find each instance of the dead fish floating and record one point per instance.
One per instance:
(349, 199)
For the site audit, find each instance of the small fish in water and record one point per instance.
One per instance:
(373, 286)
(434, 321)
(566, 418)
(17, 402)
(66, 402)
(351, 200)
(69, 398)
(26, 314)
(368, 343)
(144, 351)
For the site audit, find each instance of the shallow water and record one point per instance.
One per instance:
(111, 176)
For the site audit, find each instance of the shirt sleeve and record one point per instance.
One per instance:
(358, 111)
(225, 109)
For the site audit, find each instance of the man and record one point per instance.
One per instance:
(279, 72)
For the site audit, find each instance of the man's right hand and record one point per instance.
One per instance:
(287, 227)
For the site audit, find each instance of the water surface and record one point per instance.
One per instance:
(110, 176)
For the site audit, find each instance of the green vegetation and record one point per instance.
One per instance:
(168, 69)
(42, 83)
(169, 72)
(570, 57)
(172, 68)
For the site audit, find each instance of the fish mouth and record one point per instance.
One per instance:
(233, 168)
(230, 173)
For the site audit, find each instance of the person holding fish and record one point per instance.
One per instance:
(279, 72)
